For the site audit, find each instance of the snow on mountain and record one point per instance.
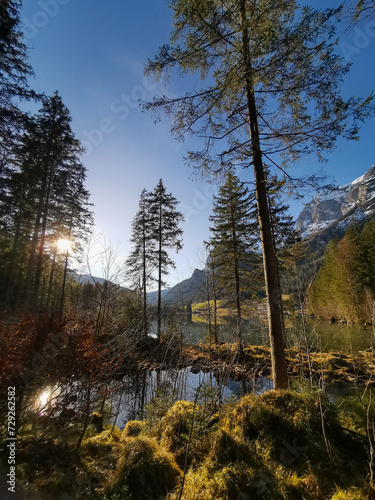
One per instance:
(353, 201)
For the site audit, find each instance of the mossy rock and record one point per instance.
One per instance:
(133, 428)
(100, 456)
(285, 428)
(277, 421)
(147, 470)
(294, 487)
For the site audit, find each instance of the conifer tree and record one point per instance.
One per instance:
(320, 291)
(143, 258)
(366, 266)
(339, 290)
(14, 73)
(272, 86)
(233, 242)
(47, 199)
(165, 234)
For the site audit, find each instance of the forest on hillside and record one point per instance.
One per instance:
(234, 392)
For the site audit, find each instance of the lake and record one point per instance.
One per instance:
(321, 335)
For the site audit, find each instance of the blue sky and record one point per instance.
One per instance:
(93, 53)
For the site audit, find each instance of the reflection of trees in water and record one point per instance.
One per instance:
(139, 388)
(61, 407)
(253, 333)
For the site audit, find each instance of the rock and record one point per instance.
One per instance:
(339, 206)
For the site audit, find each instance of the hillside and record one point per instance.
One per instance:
(192, 288)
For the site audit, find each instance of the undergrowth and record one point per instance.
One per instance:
(259, 447)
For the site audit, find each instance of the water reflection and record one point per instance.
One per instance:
(45, 398)
(319, 335)
(139, 389)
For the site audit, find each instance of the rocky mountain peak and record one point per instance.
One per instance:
(355, 200)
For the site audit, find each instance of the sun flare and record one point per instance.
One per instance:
(64, 245)
(44, 397)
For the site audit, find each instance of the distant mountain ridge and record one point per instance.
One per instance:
(353, 201)
(85, 278)
(152, 297)
(188, 290)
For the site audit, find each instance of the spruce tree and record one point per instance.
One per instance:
(165, 234)
(14, 73)
(366, 267)
(272, 86)
(46, 201)
(143, 258)
(339, 290)
(233, 243)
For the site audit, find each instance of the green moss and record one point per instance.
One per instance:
(182, 425)
(227, 448)
(147, 470)
(354, 494)
(206, 484)
(100, 459)
(292, 486)
(269, 446)
(133, 428)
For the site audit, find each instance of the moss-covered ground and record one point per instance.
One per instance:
(280, 445)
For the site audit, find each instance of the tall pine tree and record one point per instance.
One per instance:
(143, 258)
(165, 234)
(233, 243)
(14, 73)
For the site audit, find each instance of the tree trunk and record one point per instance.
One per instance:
(214, 294)
(50, 283)
(237, 285)
(238, 306)
(62, 300)
(145, 326)
(39, 265)
(31, 263)
(275, 319)
(12, 266)
(209, 312)
(159, 276)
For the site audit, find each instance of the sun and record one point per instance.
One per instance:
(64, 245)
(44, 397)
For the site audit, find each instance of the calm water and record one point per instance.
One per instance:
(129, 397)
(320, 335)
